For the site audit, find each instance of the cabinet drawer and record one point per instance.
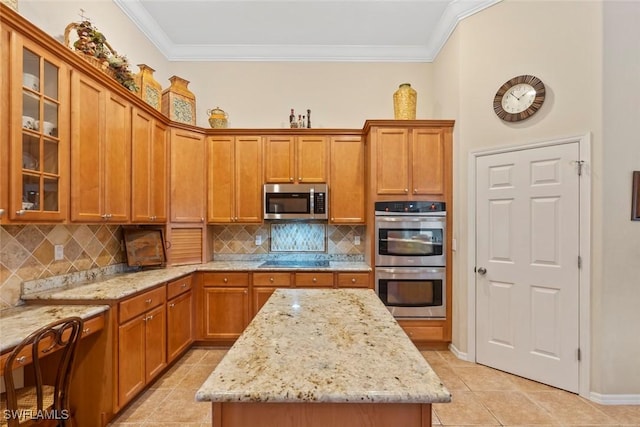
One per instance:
(139, 304)
(277, 279)
(226, 279)
(424, 333)
(314, 279)
(353, 280)
(93, 325)
(178, 286)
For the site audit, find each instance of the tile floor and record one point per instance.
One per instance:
(481, 397)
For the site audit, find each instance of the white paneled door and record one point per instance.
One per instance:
(527, 300)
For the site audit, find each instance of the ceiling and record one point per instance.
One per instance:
(299, 30)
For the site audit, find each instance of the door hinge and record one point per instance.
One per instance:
(580, 164)
(579, 354)
(579, 261)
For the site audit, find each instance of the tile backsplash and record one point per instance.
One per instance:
(27, 252)
(286, 237)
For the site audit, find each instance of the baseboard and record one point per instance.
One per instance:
(457, 353)
(615, 399)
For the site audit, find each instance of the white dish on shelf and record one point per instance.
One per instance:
(27, 205)
(31, 81)
(29, 162)
(49, 128)
(29, 122)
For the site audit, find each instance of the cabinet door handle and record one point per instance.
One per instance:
(21, 359)
(184, 285)
(172, 305)
(20, 212)
(148, 301)
(150, 317)
(85, 331)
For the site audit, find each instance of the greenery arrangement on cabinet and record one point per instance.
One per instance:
(92, 43)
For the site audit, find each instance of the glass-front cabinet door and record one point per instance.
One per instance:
(40, 134)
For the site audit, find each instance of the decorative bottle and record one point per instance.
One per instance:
(309, 119)
(404, 102)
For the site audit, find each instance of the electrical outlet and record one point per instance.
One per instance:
(258, 240)
(356, 240)
(58, 252)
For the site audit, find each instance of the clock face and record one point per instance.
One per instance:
(519, 98)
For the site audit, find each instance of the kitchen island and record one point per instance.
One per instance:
(323, 357)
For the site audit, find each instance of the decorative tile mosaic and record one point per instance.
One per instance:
(298, 237)
(183, 110)
(241, 239)
(27, 253)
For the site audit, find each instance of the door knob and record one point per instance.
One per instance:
(482, 271)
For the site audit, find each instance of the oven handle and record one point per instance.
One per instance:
(401, 271)
(407, 219)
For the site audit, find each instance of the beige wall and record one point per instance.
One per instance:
(559, 41)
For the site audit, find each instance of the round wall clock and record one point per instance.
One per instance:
(519, 98)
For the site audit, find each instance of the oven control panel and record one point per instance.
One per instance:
(409, 207)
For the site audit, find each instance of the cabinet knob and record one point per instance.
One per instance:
(85, 331)
(299, 178)
(20, 212)
(225, 280)
(148, 301)
(184, 285)
(406, 190)
(171, 305)
(291, 179)
(353, 280)
(201, 219)
(150, 317)
(415, 191)
(314, 280)
(271, 279)
(21, 359)
(1, 212)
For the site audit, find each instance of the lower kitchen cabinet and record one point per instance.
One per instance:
(225, 300)
(265, 284)
(179, 317)
(141, 342)
(354, 280)
(313, 280)
(425, 331)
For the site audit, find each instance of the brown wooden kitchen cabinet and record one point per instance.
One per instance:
(188, 176)
(265, 284)
(100, 152)
(149, 162)
(34, 165)
(235, 184)
(179, 317)
(346, 180)
(353, 280)
(141, 342)
(411, 160)
(295, 159)
(225, 299)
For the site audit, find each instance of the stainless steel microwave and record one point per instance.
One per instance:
(296, 201)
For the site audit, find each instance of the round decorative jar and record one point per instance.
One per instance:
(218, 119)
(148, 88)
(404, 102)
(178, 102)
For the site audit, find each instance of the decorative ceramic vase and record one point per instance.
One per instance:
(217, 118)
(148, 88)
(404, 102)
(178, 102)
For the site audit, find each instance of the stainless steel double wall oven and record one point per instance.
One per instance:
(410, 258)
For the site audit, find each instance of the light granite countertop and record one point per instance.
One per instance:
(18, 322)
(323, 345)
(117, 286)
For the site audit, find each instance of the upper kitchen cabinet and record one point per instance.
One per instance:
(347, 191)
(296, 159)
(35, 117)
(100, 152)
(188, 176)
(149, 155)
(410, 158)
(235, 189)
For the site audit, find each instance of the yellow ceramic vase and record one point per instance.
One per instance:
(404, 102)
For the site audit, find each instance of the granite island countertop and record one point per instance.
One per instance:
(18, 322)
(323, 345)
(118, 286)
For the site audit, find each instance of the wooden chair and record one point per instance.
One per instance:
(43, 402)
